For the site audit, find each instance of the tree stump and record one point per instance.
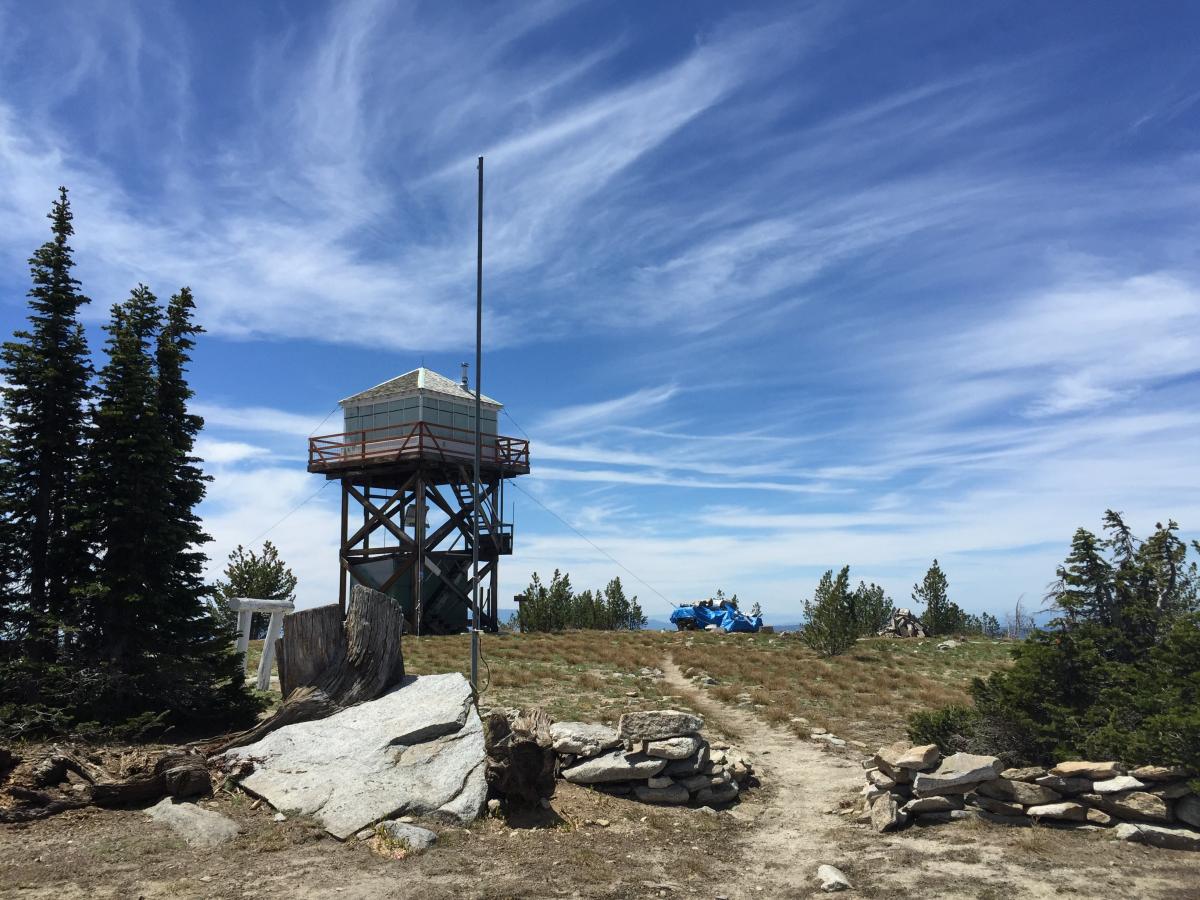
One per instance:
(327, 664)
(520, 760)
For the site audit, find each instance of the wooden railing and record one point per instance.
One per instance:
(419, 439)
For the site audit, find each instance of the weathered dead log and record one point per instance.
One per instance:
(33, 805)
(40, 787)
(520, 761)
(327, 664)
(8, 762)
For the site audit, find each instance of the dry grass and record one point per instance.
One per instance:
(864, 695)
(588, 676)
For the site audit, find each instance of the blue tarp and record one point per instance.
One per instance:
(724, 616)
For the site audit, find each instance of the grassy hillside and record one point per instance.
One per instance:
(864, 695)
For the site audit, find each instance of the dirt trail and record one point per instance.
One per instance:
(802, 783)
(792, 828)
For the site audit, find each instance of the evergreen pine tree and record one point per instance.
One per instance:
(130, 496)
(871, 609)
(1083, 589)
(46, 374)
(148, 594)
(258, 576)
(942, 615)
(181, 556)
(624, 613)
(830, 627)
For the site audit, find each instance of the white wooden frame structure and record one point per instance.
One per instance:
(245, 608)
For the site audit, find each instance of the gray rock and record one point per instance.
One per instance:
(1117, 785)
(1161, 773)
(992, 805)
(871, 792)
(1158, 836)
(1065, 811)
(674, 748)
(717, 794)
(899, 760)
(1170, 790)
(660, 781)
(1065, 786)
(830, 739)
(887, 814)
(197, 826)
(832, 879)
(582, 738)
(880, 780)
(1188, 810)
(690, 766)
(1131, 805)
(926, 805)
(1018, 792)
(1029, 773)
(1099, 817)
(957, 774)
(672, 795)
(1092, 770)
(411, 837)
(654, 725)
(696, 782)
(618, 765)
(418, 749)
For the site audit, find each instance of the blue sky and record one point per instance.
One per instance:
(771, 291)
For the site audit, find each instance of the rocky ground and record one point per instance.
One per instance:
(768, 844)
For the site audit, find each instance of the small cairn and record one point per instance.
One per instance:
(914, 785)
(658, 756)
(903, 624)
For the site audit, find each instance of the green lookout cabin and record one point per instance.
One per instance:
(405, 460)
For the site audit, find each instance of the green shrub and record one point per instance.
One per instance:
(1116, 676)
(950, 728)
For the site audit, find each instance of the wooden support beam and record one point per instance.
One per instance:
(383, 520)
(344, 573)
(419, 556)
(386, 511)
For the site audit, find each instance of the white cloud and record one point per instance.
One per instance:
(221, 453)
(1090, 342)
(261, 419)
(588, 416)
(249, 505)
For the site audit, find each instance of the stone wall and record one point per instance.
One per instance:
(916, 785)
(658, 756)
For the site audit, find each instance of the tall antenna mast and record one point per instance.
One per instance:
(476, 488)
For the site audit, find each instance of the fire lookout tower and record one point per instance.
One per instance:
(405, 459)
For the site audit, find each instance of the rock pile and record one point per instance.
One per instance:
(903, 624)
(908, 784)
(657, 756)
